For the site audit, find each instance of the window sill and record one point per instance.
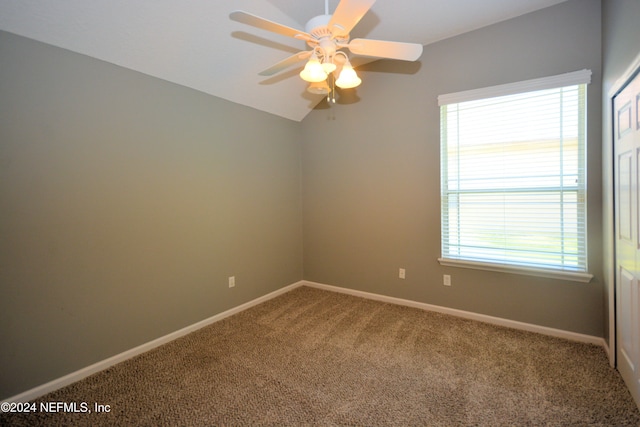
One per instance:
(553, 274)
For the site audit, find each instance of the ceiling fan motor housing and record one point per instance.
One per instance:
(318, 27)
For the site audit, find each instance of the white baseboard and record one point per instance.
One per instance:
(607, 349)
(43, 389)
(573, 336)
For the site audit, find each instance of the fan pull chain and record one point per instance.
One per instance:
(333, 90)
(331, 96)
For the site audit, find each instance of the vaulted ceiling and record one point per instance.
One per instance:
(194, 43)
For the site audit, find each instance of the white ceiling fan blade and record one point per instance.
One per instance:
(286, 63)
(385, 49)
(347, 15)
(265, 24)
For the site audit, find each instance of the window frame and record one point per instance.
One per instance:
(582, 77)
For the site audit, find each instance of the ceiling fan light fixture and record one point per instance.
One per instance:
(326, 35)
(348, 77)
(313, 71)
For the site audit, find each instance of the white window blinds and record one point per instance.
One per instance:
(513, 181)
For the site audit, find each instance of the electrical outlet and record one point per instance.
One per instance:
(232, 281)
(401, 273)
(446, 280)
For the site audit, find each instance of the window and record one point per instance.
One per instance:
(513, 177)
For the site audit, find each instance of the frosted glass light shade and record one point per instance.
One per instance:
(348, 77)
(328, 67)
(319, 88)
(313, 71)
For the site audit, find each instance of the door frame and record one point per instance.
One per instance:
(608, 197)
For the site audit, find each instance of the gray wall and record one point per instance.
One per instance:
(620, 47)
(620, 38)
(126, 202)
(371, 172)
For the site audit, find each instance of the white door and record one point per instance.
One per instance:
(626, 117)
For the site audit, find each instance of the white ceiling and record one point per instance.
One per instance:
(194, 43)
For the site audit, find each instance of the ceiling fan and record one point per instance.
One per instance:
(327, 35)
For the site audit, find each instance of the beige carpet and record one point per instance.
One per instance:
(312, 357)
